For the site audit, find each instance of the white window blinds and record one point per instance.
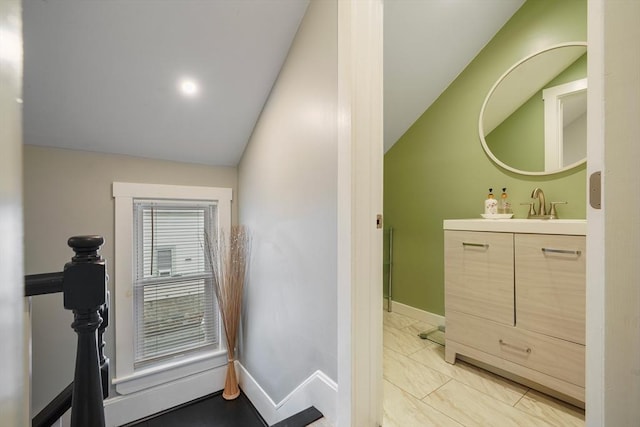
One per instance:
(175, 310)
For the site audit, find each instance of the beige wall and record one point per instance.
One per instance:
(68, 193)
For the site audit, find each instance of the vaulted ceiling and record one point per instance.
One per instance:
(186, 80)
(427, 43)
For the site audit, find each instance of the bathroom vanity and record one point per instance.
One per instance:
(515, 300)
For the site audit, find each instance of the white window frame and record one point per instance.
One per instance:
(128, 379)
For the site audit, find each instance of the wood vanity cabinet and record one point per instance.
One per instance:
(479, 275)
(516, 302)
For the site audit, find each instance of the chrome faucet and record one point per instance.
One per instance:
(537, 193)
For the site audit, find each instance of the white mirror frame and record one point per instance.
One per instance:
(486, 101)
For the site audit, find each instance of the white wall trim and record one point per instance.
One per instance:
(416, 313)
(317, 390)
(123, 409)
(595, 275)
(165, 191)
(171, 371)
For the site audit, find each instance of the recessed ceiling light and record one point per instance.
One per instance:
(188, 87)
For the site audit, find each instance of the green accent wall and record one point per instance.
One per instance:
(437, 170)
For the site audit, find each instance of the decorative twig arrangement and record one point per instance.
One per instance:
(228, 259)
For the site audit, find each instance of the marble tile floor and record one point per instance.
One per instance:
(422, 390)
(322, 422)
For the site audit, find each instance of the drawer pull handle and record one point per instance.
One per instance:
(561, 251)
(477, 245)
(526, 349)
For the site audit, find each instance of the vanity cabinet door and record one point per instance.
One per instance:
(550, 285)
(479, 275)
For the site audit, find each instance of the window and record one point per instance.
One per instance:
(173, 297)
(167, 324)
(165, 261)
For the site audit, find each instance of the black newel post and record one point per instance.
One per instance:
(104, 360)
(85, 289)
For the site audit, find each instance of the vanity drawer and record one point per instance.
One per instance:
(555, 357)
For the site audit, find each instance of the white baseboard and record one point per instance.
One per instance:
(123, 409)
(415, 313)
(317, 390)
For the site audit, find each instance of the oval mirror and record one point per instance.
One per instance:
(534, 119)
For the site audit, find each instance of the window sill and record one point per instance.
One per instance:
(169, 371)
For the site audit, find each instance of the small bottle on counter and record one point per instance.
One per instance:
(491, 204)
(504, 205)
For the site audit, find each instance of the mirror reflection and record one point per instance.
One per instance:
(533, 120)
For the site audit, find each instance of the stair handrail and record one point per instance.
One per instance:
(41, 284)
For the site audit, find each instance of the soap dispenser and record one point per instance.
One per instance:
(504, 205)
(491, 204)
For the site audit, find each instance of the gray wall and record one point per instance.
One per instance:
(68, 193)
(288, 198)
(14, 373)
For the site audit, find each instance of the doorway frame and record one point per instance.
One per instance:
(360, 163)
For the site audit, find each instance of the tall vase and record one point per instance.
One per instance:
(231, 389)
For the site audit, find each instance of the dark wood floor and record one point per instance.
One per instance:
(209, 411)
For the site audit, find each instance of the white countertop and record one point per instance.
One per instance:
(577, 227)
